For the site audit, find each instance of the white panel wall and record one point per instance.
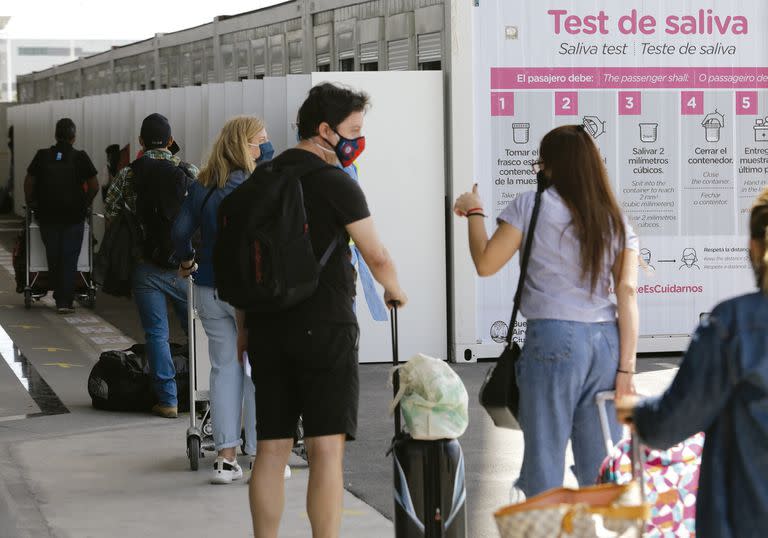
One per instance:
(216, 111)
(253, 98)
(275, 111)
(194, 140)
(404, 183)
(233, 99)
(405, 187)
(297, 89)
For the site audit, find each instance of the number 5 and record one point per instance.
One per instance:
(746, 102)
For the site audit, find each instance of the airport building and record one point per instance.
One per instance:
(300, 36)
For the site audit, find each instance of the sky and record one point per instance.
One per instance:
(99, 19)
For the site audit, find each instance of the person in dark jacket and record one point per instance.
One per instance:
(153, 187)
(722, 389)
(60, 185)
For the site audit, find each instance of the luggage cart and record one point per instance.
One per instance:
(37, 263)
(200, 431)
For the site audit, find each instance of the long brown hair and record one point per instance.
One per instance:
(758, 230)
(575, 168)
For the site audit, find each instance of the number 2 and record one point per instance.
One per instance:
(566, 103)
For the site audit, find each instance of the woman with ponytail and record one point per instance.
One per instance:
(722, 389)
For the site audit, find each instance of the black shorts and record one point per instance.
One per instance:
(308, 371)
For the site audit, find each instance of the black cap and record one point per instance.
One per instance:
(155, 131)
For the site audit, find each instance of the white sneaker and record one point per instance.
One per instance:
(225, 471)
(286, 471)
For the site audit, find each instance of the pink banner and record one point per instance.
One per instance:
(545, 78)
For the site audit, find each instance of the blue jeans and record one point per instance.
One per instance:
(62, 249)
(232, 394)
(563, 365)
(152, 287)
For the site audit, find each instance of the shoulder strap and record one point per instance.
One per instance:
(301, 171)
(207, 197)
(524, 264)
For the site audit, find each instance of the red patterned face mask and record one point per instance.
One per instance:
(348, 150)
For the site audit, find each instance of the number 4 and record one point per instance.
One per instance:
(691, 102)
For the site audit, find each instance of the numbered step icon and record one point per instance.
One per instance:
(502, 104)
(630, 104)
(566, 103)
(746, 103)
(691, 103)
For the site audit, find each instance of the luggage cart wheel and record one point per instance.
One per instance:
(27, 299)
(193, 452)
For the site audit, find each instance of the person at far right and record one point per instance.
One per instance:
(578, 342)
(722, 389)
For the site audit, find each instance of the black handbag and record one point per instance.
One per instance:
(499, 394)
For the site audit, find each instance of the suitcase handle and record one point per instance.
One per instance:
(395, 362)
(636, 455)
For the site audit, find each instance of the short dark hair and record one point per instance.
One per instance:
(65, 130)
(331, 104)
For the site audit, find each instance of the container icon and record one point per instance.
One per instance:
(521, 132)
(712, 124)
(649, 132)
(593, 125)
(761, 130)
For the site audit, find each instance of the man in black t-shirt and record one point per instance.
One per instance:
(304, 360)
(60, 185)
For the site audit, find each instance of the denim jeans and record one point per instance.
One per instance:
(232, 392)
(62, 249)
(563, 365)
(152, 287)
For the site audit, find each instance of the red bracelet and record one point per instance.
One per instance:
(480, 209)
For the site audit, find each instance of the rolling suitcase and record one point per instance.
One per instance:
(429, 486)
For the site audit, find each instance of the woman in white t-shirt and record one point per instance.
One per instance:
(578, 341)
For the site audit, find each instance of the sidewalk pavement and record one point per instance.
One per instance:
(134, 480)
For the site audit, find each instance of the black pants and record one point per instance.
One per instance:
(62, 248)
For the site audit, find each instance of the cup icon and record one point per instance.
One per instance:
(649, 132)
(521, 132)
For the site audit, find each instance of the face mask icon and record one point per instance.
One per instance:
(689, 259)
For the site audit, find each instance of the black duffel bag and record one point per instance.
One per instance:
(121, 381)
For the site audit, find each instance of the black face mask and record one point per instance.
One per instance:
(542, 183)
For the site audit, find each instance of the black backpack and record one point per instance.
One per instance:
(59, 191)
(263, 259)
(160, 187)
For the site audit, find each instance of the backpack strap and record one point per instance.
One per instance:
(207, 197)
(307, 169)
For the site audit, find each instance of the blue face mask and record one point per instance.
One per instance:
(267, 152)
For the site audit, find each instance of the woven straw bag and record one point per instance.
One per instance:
(605, 511)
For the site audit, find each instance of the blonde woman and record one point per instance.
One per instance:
(241, 145)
